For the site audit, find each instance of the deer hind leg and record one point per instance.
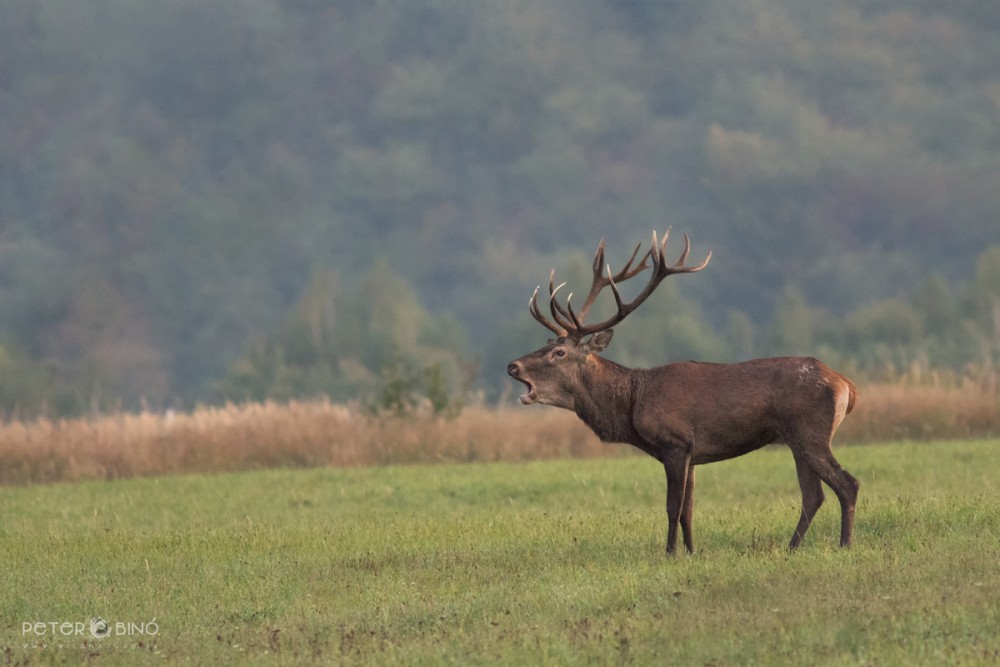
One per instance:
(847, 492)
(843, 484)
(812, 499)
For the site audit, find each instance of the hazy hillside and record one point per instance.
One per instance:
(287, 197)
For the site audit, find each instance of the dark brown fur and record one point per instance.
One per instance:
(690, 413)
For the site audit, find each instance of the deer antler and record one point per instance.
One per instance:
(568, 323)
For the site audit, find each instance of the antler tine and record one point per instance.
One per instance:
(600, 282)
(659, 249)
(660, 259)
(614, 289)
(533, 309)
(599, 257)
(577, 319)
(687, 249)
(627, 271)
(554, 305)
(558, 313)
(679, 266)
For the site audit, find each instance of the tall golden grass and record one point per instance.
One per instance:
(910, 411)
(321, 433)
(269, 435)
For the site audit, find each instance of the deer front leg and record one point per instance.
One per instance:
(687, 510)
(677, 467)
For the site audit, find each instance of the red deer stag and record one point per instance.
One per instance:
(689, 413)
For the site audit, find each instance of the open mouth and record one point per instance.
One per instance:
(514, 370)
(531, 396)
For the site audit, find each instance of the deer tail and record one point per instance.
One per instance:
(852, 395)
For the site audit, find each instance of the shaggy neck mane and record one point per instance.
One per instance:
(606, 398)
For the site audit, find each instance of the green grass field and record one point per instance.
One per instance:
(541, 563)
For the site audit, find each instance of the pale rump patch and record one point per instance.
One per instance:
(840, 407)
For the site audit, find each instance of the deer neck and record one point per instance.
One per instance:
(605, 399)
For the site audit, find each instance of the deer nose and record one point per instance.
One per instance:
(513, 370)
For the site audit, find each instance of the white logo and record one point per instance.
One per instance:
(99, 628)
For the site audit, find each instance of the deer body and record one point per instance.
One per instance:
(737, 408)
(690, 413)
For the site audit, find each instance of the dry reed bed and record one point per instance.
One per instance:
(320, 433)
(269, 435)
(923, 412)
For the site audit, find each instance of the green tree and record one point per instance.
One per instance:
(988, 291)
(937, 306)
(371, 341)
(26, 386)
(795, 324)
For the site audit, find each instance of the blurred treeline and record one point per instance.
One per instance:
(236, 199)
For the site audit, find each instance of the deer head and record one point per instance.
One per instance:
(553, 373)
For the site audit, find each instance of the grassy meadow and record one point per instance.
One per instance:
(547, 562)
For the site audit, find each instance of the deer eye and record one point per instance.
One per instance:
(559, 352)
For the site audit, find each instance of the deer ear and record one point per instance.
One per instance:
(599, 341)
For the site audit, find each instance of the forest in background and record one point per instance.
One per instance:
(248, 199)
